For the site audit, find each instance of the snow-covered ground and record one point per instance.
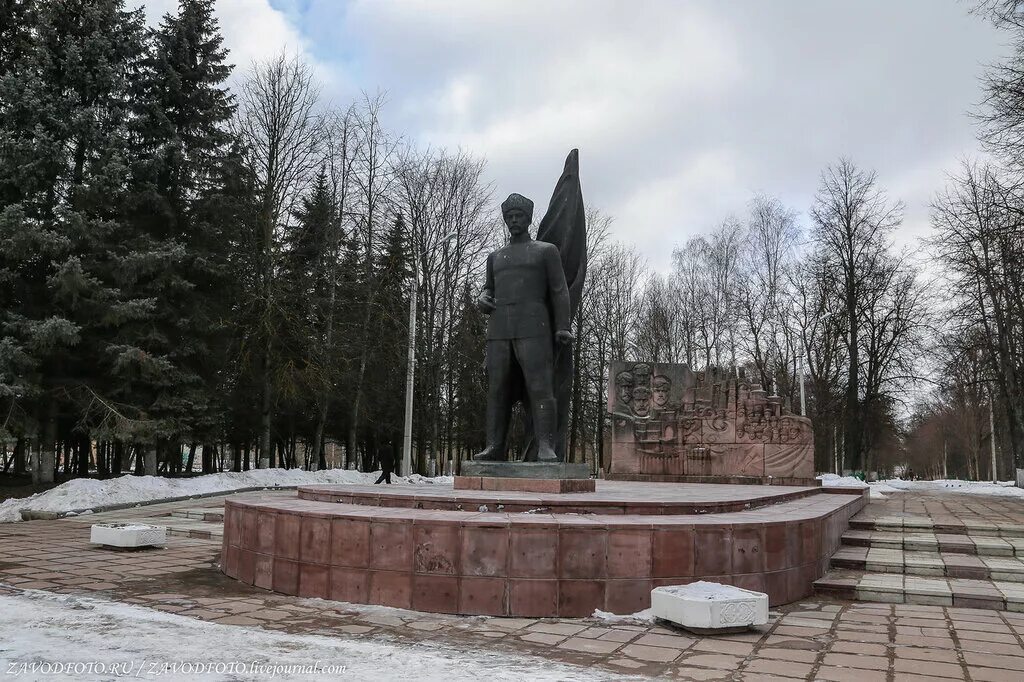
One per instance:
(1000, 489)
(54, 636)
(87, 493)
(881, 489)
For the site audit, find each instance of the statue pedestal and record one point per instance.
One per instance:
(533, 477)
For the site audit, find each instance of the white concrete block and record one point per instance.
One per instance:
(710, 607)
(128, 535)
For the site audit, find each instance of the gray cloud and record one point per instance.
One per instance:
(681, 110)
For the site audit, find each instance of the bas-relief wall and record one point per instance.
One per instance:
(670, 421)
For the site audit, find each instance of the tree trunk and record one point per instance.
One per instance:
(353, 424)
(853, 432)
(103, 459)
(83, 448)
(149, 461)
(265, 444)
(19, 456)
(577, 397)
(117, 458)
(192, 459)
(47, 446)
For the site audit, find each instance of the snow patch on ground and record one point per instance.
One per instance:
(879, 489)
(640, 617)
(834, 481)
(1000, 489)
(41, 629)
(86, 493)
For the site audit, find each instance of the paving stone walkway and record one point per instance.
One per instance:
(817, 639)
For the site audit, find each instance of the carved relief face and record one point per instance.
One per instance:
(641, 401)
(624, 387)
(642, 374)
(661, 385)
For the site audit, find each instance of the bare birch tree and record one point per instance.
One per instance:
(852, 223)
(280, 130)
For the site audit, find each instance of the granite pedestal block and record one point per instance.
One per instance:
(710, 607)
(529, 554)
(536, 470)
(526, 485)
(127, 535)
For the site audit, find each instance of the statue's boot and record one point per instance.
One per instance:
(489, 454)
(497, 432)
(545, 421)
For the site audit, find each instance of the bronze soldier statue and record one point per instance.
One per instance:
(528, 302)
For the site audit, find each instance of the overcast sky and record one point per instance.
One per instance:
(682, 110)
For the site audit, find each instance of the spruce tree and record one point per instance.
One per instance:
(63, 108)
(311, 279)
(16, 24)
(179, 145)
(390, 335)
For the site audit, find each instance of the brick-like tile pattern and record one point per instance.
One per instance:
(519, 564)
(526, 485)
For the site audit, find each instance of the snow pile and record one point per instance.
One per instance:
(86, 493)
(63, 637)
(703, 589)
(644, 617)
(1001, 489)
(879, 489)
(833, 481)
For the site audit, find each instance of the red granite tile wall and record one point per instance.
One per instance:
(519, 564)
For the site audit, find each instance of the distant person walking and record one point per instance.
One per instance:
(386, 456)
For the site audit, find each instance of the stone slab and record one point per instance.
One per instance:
(725, 480)
(535, 470)
(609, 497)
(526, 485)
(708, 607)
(124, 535)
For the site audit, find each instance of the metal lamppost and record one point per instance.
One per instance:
(410, 372)
(992, 429)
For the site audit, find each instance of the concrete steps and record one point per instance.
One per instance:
(897, 588)
(946, 526)
(208, 514)
(946, 543)
(919, 560)
(187, 527)
(929, 564)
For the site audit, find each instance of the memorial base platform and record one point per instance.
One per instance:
(520, 553)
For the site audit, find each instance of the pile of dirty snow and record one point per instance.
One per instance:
(87, 493)
(834, 481)
(645, 617)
